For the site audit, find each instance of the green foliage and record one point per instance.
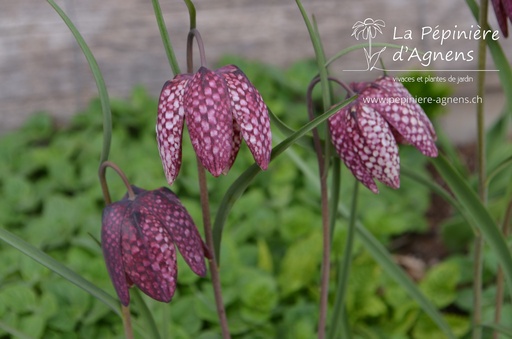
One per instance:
(271, 248)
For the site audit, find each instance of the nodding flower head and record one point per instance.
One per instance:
(220, 108)
(366, 132)
(138, 237)
(503, 11)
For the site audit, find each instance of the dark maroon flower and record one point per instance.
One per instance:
(138, 237)
(366, 132)
(503, 10)
(220, 107)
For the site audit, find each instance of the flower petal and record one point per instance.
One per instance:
(209, 120)
(237, 141)
(380, 151)
(392, 100)
(501, 16)
(169, 127)
(250, 112)
(177, 222)
(112, 220)
(348, 142)
(149, 256)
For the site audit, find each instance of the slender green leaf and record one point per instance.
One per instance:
(169, 51)
(499, 57)
(498, 169)
(382, 256)
(477, 211)
(55, 266)
(500, 328)
(14, 332)
(305, 141)
(242, 182)
(319, 53)
(385, 260)
(152, 328)
(339, 312)
(100, 82)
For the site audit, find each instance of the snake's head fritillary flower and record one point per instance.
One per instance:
(503, 11)
(138, 239)
(220, 108)
(366, 132)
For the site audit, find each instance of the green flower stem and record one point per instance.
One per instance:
(339, 313)
(324, 83)
(192, 13)
(335, 192)
(205, 203)
(500, 277)
(328, 208)
(243, 181)
(165, 38)
(482, 188)
(98, 77)
(326, 232)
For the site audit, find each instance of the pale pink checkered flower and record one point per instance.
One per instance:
(366, 132)
(138, 238)
(220, 108)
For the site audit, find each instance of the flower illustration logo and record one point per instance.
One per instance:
(368, 30)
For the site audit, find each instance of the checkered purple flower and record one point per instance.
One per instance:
(503, 11)
(366, 132)
(138, 238)
(220, 108)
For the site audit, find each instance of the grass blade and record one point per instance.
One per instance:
(100, 82)
(477, 211)
(55, 266)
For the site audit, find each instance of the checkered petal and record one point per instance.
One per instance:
(404, 114)
(112, 221)
(250, 112)
(237, 141)
(209, 120)
(175, 221)
(149, 256)
(169, 128)
(500, 9)
(366, 145)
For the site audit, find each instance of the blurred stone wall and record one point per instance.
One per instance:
(42, 67)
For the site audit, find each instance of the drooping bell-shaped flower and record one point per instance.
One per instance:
(220, 108)
(503, 11)
(138, 239)
(366, 132)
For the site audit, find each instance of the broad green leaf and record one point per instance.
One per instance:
(300, 263)
(440, 283)
(18, 298)
(383, 257)
(265, 260)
